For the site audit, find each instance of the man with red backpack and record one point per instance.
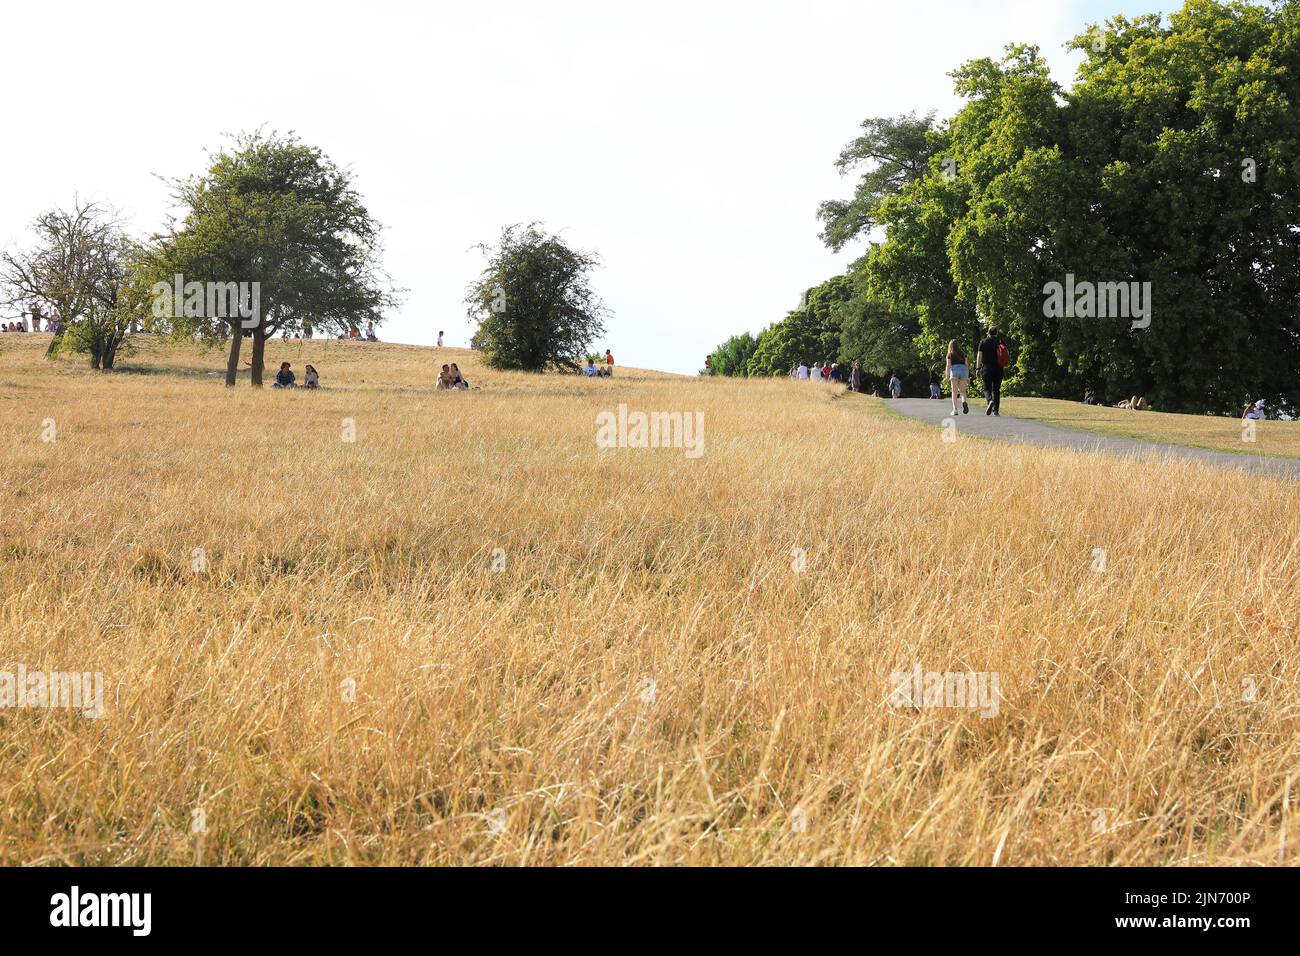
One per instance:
(990, 360)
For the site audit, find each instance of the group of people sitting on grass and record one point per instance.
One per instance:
(450, 377)
(286, 379)
(603, 370)
(353, 335)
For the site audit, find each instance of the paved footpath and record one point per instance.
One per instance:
(1006, 427)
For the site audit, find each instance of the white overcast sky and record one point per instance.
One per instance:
(688, 144)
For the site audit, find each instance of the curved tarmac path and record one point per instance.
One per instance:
(1006, 427)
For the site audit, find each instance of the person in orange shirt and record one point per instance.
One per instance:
(609, 363)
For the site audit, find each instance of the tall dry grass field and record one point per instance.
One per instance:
(471, 636)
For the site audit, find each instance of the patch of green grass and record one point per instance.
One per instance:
(1279, 439)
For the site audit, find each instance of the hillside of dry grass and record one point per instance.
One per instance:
(471, 636)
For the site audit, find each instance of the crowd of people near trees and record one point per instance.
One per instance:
(20, 324)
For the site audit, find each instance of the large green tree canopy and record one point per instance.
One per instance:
(1171, 160)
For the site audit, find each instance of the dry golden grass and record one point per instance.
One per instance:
(517, 700)
(1276, 438)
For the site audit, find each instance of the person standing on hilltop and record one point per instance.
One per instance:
(989, 361)
(609, 362)
(440, 338)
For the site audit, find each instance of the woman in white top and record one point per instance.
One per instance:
(816, 373)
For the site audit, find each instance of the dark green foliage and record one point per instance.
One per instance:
(534, 307)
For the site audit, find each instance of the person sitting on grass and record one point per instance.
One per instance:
(590, 369)
(1254, 412)
(444, 378)
(313, 379)
(285, 377)
(457, 380)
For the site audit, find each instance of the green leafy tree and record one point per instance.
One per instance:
(1170, 160)
(731, 358)
(892, 152)
(879, 336)
(274, 214)
(810, 333)
(533, 303)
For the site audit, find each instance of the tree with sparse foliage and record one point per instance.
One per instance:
(78, 272)
(534, 307)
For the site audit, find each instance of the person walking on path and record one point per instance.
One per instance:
(802, 373)
(895, 386)
(816, 373)
(958, 372)
(989, 363)
(935, 390)
(855, 378)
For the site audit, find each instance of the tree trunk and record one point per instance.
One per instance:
(110, 354)
(259, 348)
(232, 363)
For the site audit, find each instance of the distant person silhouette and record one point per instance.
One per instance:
(988, 362)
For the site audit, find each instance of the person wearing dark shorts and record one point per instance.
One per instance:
(990, 372)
